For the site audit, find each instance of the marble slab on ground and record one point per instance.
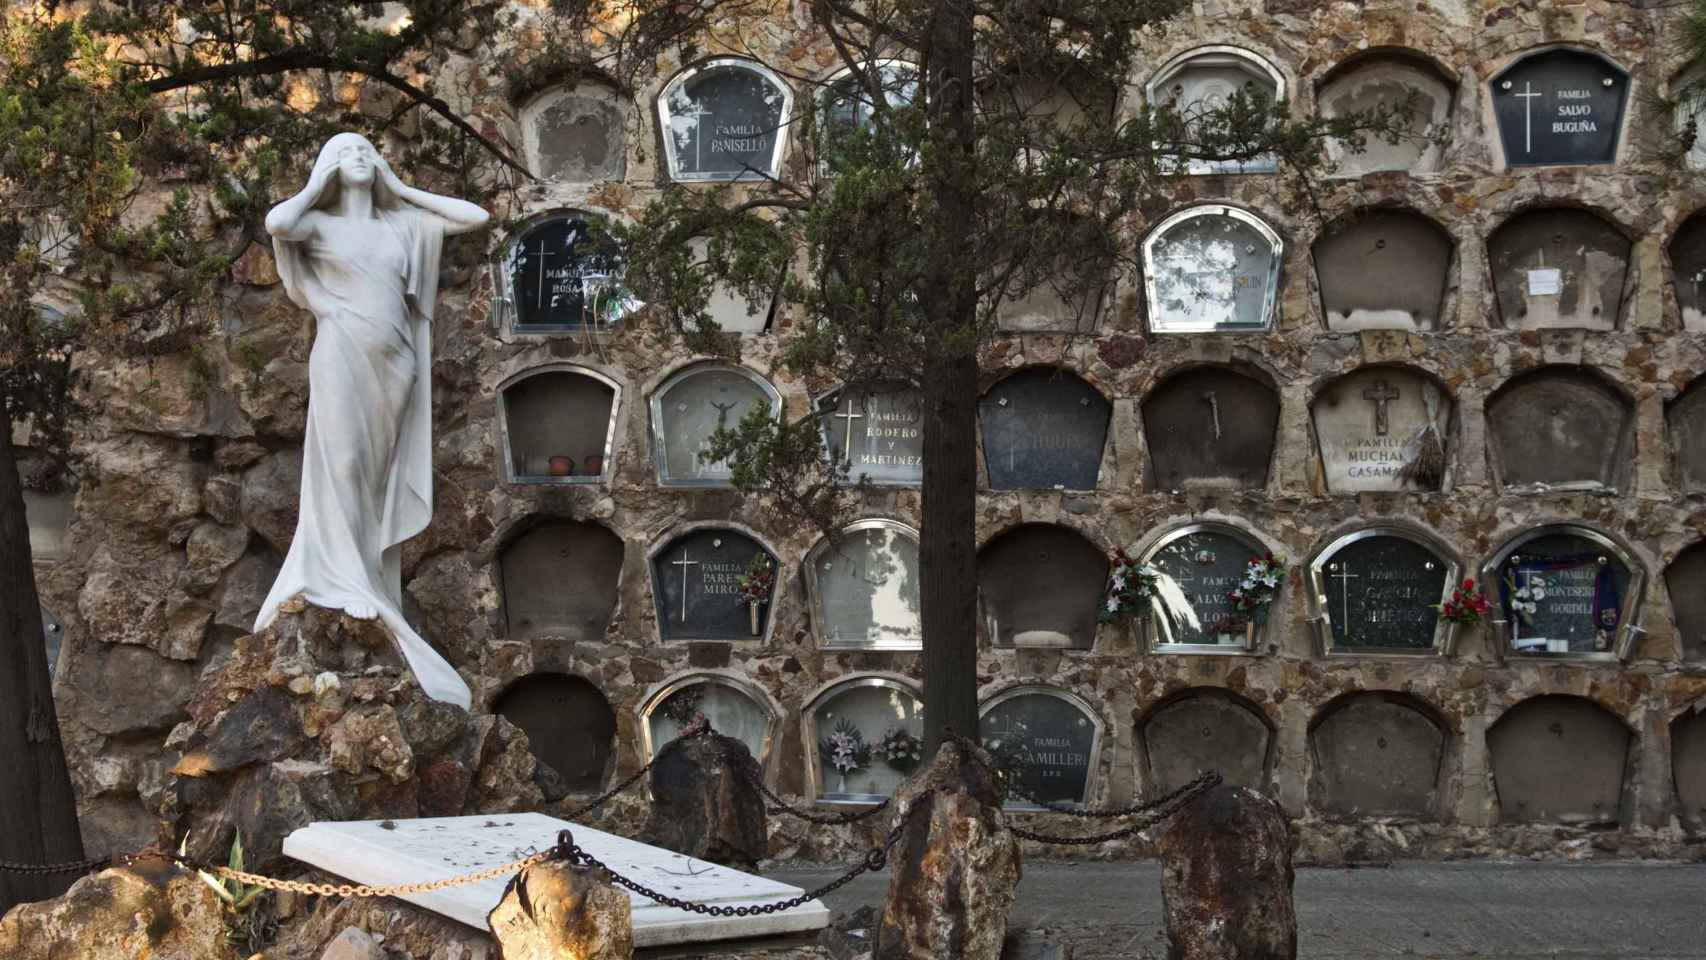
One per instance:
(414, 851)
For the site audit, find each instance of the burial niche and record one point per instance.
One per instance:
(1211, 269)
(878, 431)
(1685, 421)
(47, 513)
(1046, 739)
(1383, 270)
(1375, 592)
(1688, 766)
(563, 274)
(1688, 270)
(1376, 755)
(846, 107)
(569, 725)
(1382, 430)
(733, 707)
(576, 134)
(865, 736)
(1559, 759)
(691, 406)
(1210, 428)
(559, 580)
(864, 587)
(1062, 293)
(1197, 83)
(1566, 590)
(1201, 564)
(559, 425)
(1039, 585)
(1044, 428)
(1685, 581)
(1558, 268)
(727, 309)
(1560, 106)
(1388, 80)
(725, 119)
(696, 586)
(1559, 428)
(1205, 729)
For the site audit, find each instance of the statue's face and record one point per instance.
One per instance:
(357, 164)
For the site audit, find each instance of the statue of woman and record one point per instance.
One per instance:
(359, 249)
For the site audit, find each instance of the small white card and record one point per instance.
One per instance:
(1545, 283)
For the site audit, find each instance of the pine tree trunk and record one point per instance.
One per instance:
(37, 807)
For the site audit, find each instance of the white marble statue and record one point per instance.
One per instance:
(359, 249)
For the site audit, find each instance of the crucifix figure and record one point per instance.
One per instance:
(684, 563)
(849, 416)
(1381, 394)
(1344, 576)
(1213, 402)
(1527, 96)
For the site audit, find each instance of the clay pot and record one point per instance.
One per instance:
(594, 464)
(562, 466)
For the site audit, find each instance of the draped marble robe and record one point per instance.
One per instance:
(367, 455)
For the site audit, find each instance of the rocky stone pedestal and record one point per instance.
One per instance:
(149, 908)
(954, 871)
(704, 803)
(553, 911)
(1226, 879)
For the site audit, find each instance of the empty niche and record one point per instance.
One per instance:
(1205, 729)
(733, 707)
(1688, 272)
(1559, 759)
(725, 119)
(48, 515)
(576, 134)
(1559, 428)
(562, 274)
(864, 737)
(1046, 739)
(1211, 269)
(1062, 293)
(1197, 83)
(864, 587)
(1688, 766)
(1376, 755)
(1210, 428)
(1044, 428)
(1389, 80)
(1685, 421)
(1565, 590)
(1040, 585)
(1558, 267)
(1382, 430)
(559, 424)
(569, 725)
(1383, 270)
(691, 406)
(559, 580)
(696, 586)
(1685, 581)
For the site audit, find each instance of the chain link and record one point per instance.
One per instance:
(1165, 808)
(394, 890)
(777, 805)
(44, 869)
(1049, 806)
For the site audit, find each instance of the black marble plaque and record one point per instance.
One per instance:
(1049, 740)
(723, 123)
(1560, 107)
(1044, 429)
(1207, 565)
(1577, 588)
(562, 276)
(697, 586)
(880, 433)
(1380, 594)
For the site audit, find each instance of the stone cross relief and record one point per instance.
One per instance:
(1381, 394)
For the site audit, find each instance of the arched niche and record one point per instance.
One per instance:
(1688, 271)
(1204, 561)
(1200, 81)
(845, 726)
(1566, 591)
(1560, 428)
(1688, 767)
(1383, 270)
(1382, 430)
(1062, 293)
(727, 308)
(863, 587)
(1559, 267)
(696, 585)
(562, 273)
(1040, 585)
(878, 431)
(1559, 106)
(1048, 739)
(576, 134)
(1211, 269)
(1390, 79)
(1201, 729)
(47, 513)
(1376, 755)
(1210, 428)
(846, 106)
(691, 406)
(735, 708)
(1044, 428)
(725, 119)
(569, 725)
(1375, 591)
(559, 582)
(559, 424)
(1685, 422)
(1685, 581)
(1558, 759)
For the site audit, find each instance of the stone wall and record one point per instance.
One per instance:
(186, 485)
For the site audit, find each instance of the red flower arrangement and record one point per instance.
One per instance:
(1468, 604)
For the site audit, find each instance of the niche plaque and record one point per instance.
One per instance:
(1211, 269)
(1199, 83)
(1559, 268)
(725, 119)
(1382, 430)
(696, 586)
(1560, 107)
(878, 432)
(1375, 592)
(564, 275)
(1048, 737)
(865, 587)
(1210, 428)
(1044, 429)
(1565, 590)
(690, 407)
(1205, 563)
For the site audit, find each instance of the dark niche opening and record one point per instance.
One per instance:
(1563, 428)
(1688, 270)
(1210, 428)
(1688, 767)
(1390, 79)
(696, 586)
(1383, 270)
(558, 427)
(1376, 755)
(1685, 422)
(559, 581)
(576, 134)
(1558, 268)
(569, 725)
(1044, 428)
(1559, 759)
(1205, 729)
(1039, 585)
(1685, 581)
(1382, 430)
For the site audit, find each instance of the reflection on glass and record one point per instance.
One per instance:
(723, 124)
(1204, 566)
(868, 589)
(561, 276)
(731, 713)
(1207, 85)
(1211, 272)
(691, 410)
(853, 726)
(1563, 593)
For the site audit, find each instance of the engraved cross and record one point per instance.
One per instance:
(1344, 576)
(1381, 394)
(849, 416)
(1527, 97)
(684, 563)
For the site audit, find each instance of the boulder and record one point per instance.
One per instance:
(149, 908)
(353, 943)
(1226, 879)
(554, 910)
(704, 802)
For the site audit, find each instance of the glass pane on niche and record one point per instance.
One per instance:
(725, 120)
(728, 310)
(1206, 82)
(1047, 740)
(1044, 428)
(879, 432)
(692, 406)
(1688, 267)
(862, 741)
(1211, 271)
(1378, 592)
(867, 589)
(1563, 593)
(696, 586)
(731, 712)
(1205, 566)
(557, 427)
(563, 276)
(847, 104)
(53, 637)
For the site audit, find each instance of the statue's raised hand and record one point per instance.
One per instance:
(389, 177)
